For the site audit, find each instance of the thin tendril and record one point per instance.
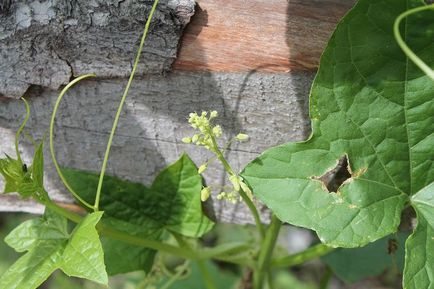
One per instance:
(20, 129)
(410, 54)
(118, 113)
(53, 155)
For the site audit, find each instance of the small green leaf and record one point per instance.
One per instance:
(32, 232)
(28, 182)
(12, 171)
(49, 247)
(419, 256)
(83, 255)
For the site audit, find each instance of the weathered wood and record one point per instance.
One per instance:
(271, 108)
(272, 36)
(46, 43)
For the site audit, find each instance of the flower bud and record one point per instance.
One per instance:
(205, 193)
(242, 137)
(202, 168)
(235, 182)
(186, 140)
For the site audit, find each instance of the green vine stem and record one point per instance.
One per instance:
(243, 195)
(326, 278)
(53, 154)
(20, 129)
(217, 253)
(118, 113)
(266, 252)
(410, 54)
(302, 257)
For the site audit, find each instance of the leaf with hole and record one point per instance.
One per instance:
(370, 105)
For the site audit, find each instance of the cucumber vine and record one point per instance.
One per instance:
(358, 110)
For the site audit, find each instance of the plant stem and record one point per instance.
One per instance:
(118, 113)
(53, 154)
(266, 252)
(325, 280)
(20, 129)
(243, 195)
(410, 54)
(302, 257)
(217, 253)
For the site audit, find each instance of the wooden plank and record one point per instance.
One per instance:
(273, 36)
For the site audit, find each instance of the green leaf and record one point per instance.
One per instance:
(181, 184)
(352, 265)
(121, 257)
(173, 203)
(12, 171)
(28, 182)
(371, 105)
(49, 247)
(419, 256)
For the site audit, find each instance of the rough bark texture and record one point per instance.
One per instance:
(224, 56)
(271, 108)
(47, 42)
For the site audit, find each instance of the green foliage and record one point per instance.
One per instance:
(370, 104)
(49, 246)
(27, 181)
(222, 279)
(352, 265)
(373, 106)
(419, 259)
(172, 203)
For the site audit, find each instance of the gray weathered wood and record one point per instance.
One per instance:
(47, 42)
(271, 108)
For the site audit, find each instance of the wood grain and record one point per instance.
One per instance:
(272, 36)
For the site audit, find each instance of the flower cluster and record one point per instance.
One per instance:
(207, 130)
(207, 136)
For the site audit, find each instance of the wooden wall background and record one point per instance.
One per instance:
(251, 60)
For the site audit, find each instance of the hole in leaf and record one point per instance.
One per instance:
(334, 178)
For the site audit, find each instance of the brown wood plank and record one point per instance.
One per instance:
(272, 36)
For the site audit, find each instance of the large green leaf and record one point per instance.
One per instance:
(49, 247)
(370, 104)
(172, 203)
(419, 259)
